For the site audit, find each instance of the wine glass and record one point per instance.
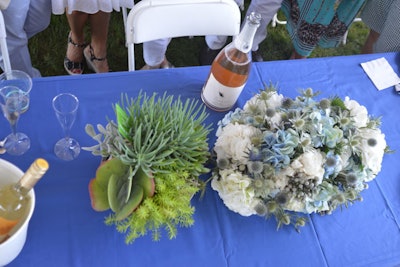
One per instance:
(22, 81)
(65, 106)
(12, 102)
(15, 87)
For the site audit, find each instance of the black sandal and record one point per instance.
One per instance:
(90, 57)
(74, 68)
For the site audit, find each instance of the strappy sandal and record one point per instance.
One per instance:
(88, 52)
(74, 68)
(165, 64)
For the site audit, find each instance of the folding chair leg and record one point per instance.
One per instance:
(131, 57)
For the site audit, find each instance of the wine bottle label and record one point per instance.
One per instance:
(218, 96)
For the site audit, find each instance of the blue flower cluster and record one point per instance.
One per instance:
(301, 155)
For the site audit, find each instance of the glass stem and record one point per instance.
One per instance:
(13, 123)
(66, 133)
(14, 128)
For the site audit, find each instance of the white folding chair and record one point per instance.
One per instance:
(344, 39)
(156, 19)
(275, 21)
(3, 45)
(124, 16)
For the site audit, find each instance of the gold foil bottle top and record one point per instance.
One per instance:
(37, 169)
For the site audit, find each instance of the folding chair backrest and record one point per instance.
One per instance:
(156, 19)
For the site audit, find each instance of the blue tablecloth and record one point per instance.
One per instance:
(65, 231)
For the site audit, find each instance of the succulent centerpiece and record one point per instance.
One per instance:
(154, 155)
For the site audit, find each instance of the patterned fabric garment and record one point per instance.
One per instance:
(324, 22)
(383, 17)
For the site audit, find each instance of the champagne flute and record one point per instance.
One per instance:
(65, 106)
(13, 101)
(22, 81)
(15, 87)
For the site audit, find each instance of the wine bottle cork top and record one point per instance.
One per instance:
(42, 164)
(33, 174)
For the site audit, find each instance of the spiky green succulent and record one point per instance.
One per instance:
(154, 132)
(160, 136)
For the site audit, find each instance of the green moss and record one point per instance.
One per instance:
(169, 208)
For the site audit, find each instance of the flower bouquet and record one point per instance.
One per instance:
(154, 155)
(286, 157)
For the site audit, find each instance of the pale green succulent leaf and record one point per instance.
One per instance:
(122, 119)
(89, 129)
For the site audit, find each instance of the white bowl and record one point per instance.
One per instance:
(10, 249)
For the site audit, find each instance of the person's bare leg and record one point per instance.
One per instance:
(369, 43)
(296, 55)
(99, 24)
(76, 41)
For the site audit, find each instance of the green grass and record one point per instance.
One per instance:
(48, 47)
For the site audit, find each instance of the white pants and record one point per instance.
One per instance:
(154, 51)
(23, 19)
(267, 9)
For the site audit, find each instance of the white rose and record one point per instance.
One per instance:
(234, 142)
(310, 162)
(233, 188)
(358, 112)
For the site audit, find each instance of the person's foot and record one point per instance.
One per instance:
(207, 55)
(96, 64)
(256, 56)
(73, 61)
(165, 64)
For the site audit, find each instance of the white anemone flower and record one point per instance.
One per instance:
(372, 147)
